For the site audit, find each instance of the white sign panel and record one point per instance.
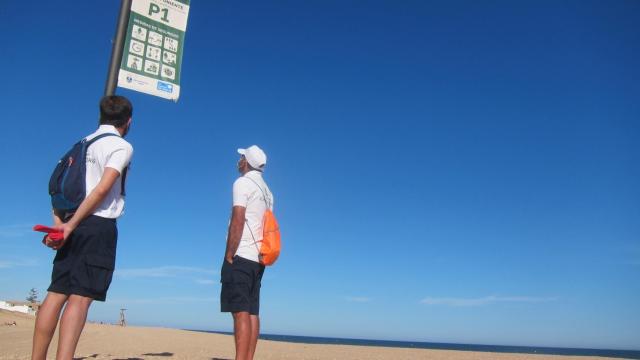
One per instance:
(152, 54)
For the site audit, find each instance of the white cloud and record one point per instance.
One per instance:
(15, 231)
(7, 264)
(206, 281)
(358, 299)
(163, 272)
(487, 300)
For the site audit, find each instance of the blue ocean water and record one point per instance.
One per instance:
(622, 354)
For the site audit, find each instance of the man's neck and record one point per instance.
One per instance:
(250, 170)
(120, 130)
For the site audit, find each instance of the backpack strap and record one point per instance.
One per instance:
(264, 195)
(87, 143)
(255, 243)
(97, 137)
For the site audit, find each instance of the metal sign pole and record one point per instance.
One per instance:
(116, 51)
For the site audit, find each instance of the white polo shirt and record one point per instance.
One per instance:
(255, 196)
(113, 152)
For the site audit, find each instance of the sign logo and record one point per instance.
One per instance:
(163, 86)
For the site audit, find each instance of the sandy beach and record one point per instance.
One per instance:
(100, 341)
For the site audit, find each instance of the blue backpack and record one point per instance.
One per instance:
(67, 185)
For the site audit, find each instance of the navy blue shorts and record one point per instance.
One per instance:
(241, 283)
(84, 265)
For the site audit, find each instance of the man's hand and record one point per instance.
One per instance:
(53, 244)
(67, 229)
(88, 205)
(236, 225)
(56, 242)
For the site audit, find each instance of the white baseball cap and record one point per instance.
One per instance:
(255, 156)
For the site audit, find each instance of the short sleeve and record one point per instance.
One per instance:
(240, 193)
(271, 200)
(120, 158)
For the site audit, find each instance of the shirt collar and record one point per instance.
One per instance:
(108, 129)
(253, 173)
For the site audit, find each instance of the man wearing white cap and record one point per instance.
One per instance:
(241, 269)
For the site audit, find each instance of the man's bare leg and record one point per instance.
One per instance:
(71, 325)
(46, 322)
(242, 334)
(255, 332)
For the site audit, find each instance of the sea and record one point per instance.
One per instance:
(622, 354)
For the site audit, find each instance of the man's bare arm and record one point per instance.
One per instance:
(90, 203)
(235, 231)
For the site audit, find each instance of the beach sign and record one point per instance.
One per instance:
(152, 53)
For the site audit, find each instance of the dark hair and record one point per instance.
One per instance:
(115, 110)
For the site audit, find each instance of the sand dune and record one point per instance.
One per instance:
(113, 342)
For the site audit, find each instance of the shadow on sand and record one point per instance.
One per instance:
(164, 354)
(159, 354)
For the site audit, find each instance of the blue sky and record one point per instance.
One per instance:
(443, 171)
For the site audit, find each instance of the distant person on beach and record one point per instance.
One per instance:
(241, 269)
(85, 258)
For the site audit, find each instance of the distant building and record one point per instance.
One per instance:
(20, 306)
